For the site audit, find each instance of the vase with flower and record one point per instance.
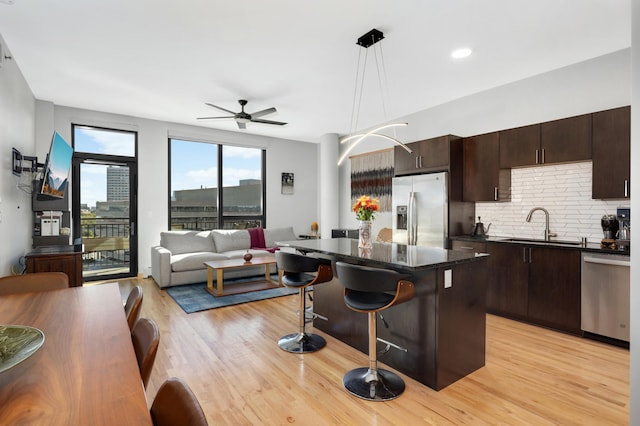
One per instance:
(365, 209)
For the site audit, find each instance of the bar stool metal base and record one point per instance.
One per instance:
(359, 383)
(301, 343)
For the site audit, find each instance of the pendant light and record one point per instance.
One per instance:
(367, 40)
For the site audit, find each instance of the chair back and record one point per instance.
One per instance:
(296, 263)
(133, 306)
(37, 281)
(145, 337)
(368, 279)
(176, 405)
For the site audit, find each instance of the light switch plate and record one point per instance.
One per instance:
(447, 278)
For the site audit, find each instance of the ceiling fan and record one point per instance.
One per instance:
(242, 118)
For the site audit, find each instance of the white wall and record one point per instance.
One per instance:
(17, 126)
(635, 206)
(297, 210)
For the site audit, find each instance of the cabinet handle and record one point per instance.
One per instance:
(421, 161)
(495, 193)
(626, 188)
(537, 159)
(529, 254)
(542, 162)
(524, 254)
(417, 156)
(466, 248)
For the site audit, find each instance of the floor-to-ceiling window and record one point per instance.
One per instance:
(104, 176)
(197, 171)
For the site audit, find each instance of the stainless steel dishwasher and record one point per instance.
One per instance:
(605, 295)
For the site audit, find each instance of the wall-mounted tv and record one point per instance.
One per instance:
(55, 175)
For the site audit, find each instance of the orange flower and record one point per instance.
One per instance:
(365, 208)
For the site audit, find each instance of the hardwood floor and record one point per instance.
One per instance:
(230, 358)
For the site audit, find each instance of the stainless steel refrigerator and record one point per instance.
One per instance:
(420, 210)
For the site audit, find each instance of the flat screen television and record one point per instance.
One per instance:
(55, 174)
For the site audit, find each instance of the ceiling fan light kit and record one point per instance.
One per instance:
(367, 40)
(242, 117)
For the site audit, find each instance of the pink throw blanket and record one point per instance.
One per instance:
(257, 240)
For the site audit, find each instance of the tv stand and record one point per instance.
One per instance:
(57, 259)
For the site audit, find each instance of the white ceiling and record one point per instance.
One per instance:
(163, 60)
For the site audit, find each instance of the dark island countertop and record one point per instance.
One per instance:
(411, 258)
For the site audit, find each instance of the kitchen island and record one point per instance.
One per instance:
(442, 327)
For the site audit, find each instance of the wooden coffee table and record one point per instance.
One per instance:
(243, 287)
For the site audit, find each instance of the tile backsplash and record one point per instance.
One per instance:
(564, 190)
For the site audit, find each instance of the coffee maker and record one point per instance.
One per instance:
(624, 229)
(610, 225)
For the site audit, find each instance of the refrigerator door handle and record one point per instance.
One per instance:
(412, 223)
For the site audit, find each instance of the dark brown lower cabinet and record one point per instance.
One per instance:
(535, 284)
(554, 288)
(507, 288)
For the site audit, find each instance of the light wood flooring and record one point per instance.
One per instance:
(230, 358)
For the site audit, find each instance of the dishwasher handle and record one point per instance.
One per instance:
(603, 261)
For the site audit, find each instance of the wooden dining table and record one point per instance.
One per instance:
(86, 371)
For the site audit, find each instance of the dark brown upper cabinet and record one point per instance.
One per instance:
(568, 139)
(429, 155)
(557, 141)
(520, 146)
(483, 180)
(611, 154)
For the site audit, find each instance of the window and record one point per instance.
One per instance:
(195, 171)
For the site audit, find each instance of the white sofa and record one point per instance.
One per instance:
(180, 257)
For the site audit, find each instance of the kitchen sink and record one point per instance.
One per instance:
(542, 242)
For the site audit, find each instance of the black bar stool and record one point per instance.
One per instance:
(301, 272)
(372, 290)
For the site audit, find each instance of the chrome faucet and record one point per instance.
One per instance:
(547, 234)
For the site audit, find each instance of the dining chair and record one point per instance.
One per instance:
(175, 404)
(37, 281)
(145, 337)
(133, 306)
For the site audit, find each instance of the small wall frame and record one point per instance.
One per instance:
(287, 183)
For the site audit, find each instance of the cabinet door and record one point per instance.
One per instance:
(404, 162)
(434, 153)
(507, 286)
(520, 146)
(565, 140)
(611, 154)
(554, 288)
(481, 159)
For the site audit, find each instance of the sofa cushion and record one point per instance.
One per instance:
(272, 235)
(227, 240)
(179, 242)
(193, 261)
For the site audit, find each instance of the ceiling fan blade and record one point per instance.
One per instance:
(278, 123)
(242, 125)
(263, 112)
(211, 118)
(220, 108)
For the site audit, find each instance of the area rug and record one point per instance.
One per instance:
(195, 298)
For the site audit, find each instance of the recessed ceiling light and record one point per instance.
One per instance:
(461, 53)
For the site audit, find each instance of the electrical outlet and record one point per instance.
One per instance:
(447, 278)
